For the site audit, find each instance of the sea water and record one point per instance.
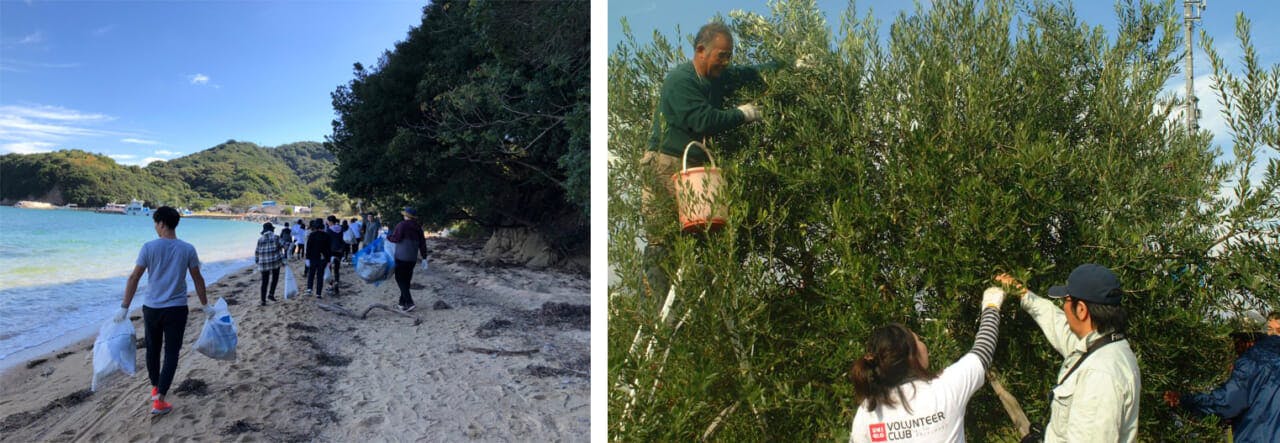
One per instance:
(63, 272)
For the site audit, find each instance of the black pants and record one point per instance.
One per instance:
(274, 276)
(163, 327)
(337, 262)
(404, 274)
(315, 274)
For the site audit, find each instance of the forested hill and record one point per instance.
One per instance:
(239, 173)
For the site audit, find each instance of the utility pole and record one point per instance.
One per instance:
(1191, 13)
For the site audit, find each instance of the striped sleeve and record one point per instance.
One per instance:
(984, 343)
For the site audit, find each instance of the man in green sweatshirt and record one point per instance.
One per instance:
(690, 108)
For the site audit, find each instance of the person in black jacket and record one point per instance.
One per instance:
(337, 249)
(317, 251)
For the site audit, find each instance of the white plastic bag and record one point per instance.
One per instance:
(218, 337)
(290, 284)
(114, 352)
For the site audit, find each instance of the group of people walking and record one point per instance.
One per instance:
(167, 261)
(326, 243)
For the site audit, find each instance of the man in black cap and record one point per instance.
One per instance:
(1095, 397)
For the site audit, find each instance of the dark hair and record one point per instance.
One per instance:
(1107, 318)
(891, 360)
(333, 219)
(1274, 315)
(166, 215)
(345, 225)
(317, 224)
(708, 33)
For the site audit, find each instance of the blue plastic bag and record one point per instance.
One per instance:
(373, 263)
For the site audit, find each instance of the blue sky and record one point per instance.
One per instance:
(155, 80)
(664, 16)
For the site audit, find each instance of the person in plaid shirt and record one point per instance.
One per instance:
(268, 258)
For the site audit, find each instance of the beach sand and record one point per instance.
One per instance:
(507, 361)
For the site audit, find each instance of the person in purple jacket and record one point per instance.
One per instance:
(410, 243)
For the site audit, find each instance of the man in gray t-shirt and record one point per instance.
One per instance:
(166, 261)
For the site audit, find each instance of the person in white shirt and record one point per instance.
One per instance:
(1095, 398)
(902, 400)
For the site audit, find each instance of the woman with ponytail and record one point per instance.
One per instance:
(902, 400)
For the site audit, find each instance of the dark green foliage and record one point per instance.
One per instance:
(892, 180)
(297, 173)
(86, 179)
(479, 114)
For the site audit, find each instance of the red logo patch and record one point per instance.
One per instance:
(878, 432)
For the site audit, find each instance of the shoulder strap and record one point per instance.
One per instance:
(1105, 340)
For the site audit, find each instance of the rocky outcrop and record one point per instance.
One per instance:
(522, 246)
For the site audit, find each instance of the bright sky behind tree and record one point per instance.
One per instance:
(1218, 20)
(155, 80)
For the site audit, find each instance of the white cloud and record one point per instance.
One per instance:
(23, 66)
(50, 113)
(32, 38)
(139, 141)
(26, 147)
(36, 128)
(150, 160)
(167, 153)
(199, 79)
(123, 156)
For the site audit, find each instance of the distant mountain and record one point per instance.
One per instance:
(241, 173)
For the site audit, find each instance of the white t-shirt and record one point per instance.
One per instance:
(937, 408)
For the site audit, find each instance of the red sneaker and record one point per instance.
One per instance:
(159, 407)
(155, 393)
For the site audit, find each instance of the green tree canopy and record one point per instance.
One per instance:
(479, 114)
(892, 180)
(297, 173)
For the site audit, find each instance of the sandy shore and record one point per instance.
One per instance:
(507, 360)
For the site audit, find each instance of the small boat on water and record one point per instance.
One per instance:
(135, 207)
(32, 205)
(112, 208)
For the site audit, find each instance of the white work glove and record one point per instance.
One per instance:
(806, 61)
(993, 297)
(751, 112)
(120, 315)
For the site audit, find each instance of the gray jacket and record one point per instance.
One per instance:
(1099, 401)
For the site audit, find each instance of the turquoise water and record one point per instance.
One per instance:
(64, 271)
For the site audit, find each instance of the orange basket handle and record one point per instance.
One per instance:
(684, 160)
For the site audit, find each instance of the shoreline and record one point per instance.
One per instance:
(491, 352)
(73, 338)
(256, 217)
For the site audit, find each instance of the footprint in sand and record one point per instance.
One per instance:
(372, 421)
